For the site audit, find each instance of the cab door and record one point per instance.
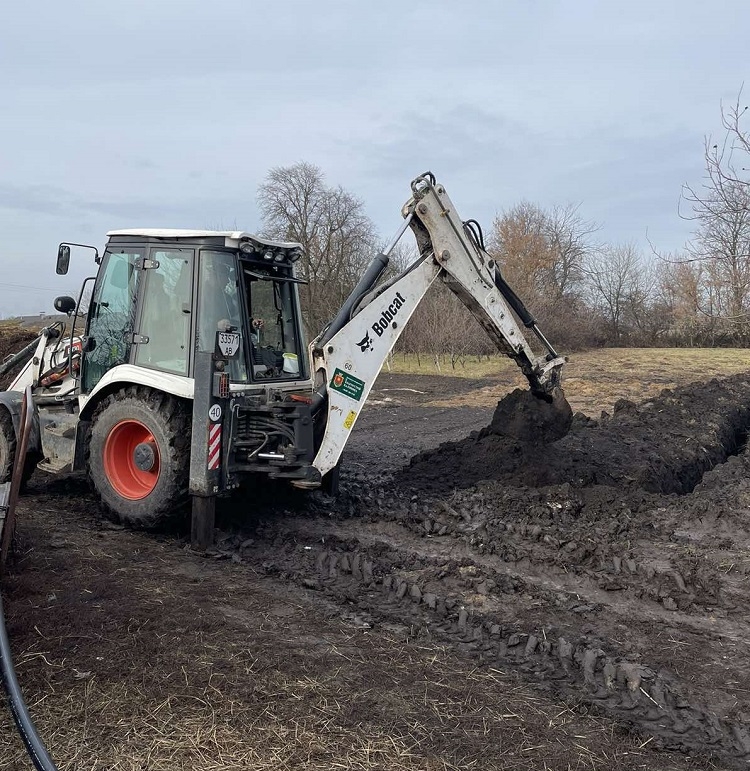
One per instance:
(164, 325)
(112, 315)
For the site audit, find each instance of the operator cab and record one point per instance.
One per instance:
(160, 295)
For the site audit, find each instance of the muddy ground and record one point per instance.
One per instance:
(497, 602)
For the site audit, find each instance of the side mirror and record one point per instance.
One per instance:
(63, 261)
(65, 304)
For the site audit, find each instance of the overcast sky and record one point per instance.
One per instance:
(149, 113)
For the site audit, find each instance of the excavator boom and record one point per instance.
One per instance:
(348, 356)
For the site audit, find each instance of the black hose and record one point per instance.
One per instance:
(34, 746)
(476, 231)
(369, 278)
(17, 358)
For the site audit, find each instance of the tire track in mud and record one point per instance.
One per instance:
(609, 556)
(464, 604)
(605, 582)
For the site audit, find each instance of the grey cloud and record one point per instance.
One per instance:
(169, 114)
(140, 163)
(631, 186)
(53, 201)
(39, 199)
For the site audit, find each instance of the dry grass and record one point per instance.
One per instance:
(595, 380)
(150, 658)
(699, 361)
(425, 712)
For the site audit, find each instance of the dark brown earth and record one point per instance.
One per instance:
(497, 602)
(12, 341)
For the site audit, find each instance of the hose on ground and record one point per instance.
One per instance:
(34, 746)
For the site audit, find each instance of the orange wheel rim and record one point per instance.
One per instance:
(126, 478)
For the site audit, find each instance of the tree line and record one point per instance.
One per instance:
(585, 292)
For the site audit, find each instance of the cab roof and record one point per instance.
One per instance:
(231, 238)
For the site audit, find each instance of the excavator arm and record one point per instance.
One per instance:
(348, 356)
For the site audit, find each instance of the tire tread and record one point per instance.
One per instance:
(173, 417)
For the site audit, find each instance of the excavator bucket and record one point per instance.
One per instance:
(531, 418)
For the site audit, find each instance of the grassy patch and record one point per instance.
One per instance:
(593, 380)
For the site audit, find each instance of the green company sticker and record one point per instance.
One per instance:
(348, 384)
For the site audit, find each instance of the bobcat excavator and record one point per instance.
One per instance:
(189, 375)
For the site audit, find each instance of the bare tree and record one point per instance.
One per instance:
(707, 289)
(678, 298)
(621, 286)
(570, 240)
(734, 148)
(720, 207)
(542, 255)
(519, 243)
(337, 237)
(542, 252)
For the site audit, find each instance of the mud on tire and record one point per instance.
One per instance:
(130, 496)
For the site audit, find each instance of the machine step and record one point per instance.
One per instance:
(64, 432)
(54, 465)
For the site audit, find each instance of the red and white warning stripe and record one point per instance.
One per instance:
(214, 446)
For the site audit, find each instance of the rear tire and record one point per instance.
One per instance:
(8, 445)
(142, 488)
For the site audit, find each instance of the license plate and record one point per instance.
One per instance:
(229, 343)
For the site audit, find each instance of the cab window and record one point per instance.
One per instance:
(275, 347)
(219, 306)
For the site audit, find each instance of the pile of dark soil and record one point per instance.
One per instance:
(12, 341)
(663, 445)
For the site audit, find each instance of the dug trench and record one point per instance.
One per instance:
(600, 562)
(664, 445)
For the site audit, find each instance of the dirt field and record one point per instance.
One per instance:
(495, 603)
